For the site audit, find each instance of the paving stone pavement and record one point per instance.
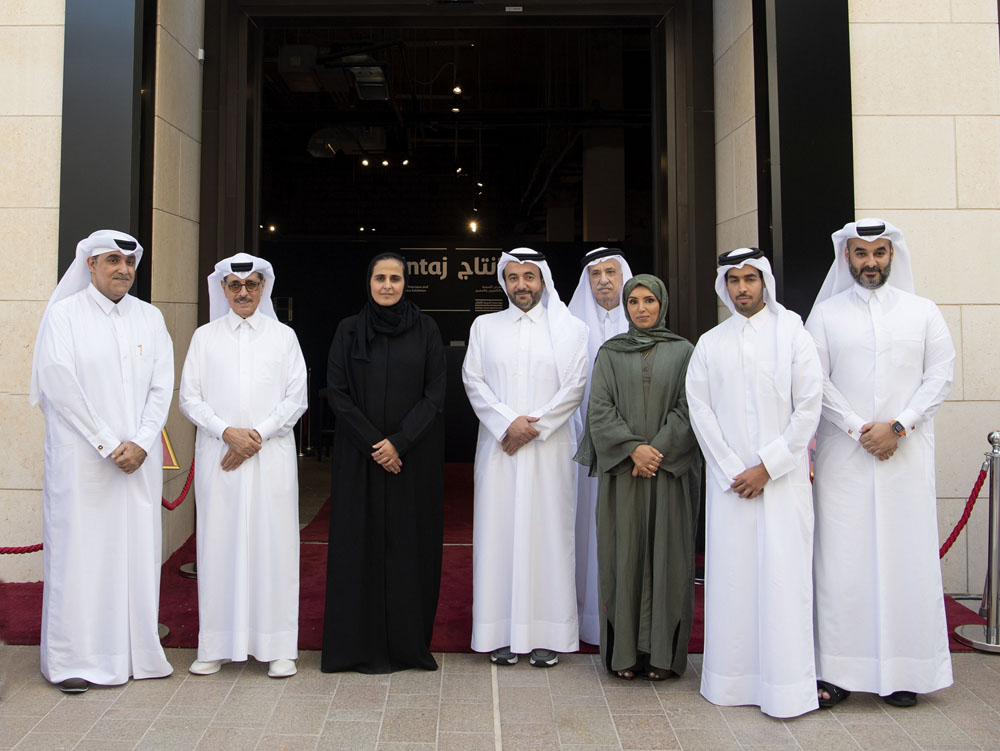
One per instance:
(466, 705)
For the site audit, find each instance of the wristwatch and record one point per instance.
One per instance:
(897, 428)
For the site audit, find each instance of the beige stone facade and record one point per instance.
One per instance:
(925, 86)
(925, 80)
(31, 67)
(176, 198)
(926, 117)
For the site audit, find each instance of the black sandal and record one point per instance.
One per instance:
(837, 694)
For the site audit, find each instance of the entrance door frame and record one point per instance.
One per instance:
(683, 168)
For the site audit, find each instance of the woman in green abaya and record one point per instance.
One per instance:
(640, 445)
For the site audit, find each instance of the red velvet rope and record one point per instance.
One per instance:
(168, 505)
(25, 549)
(973, 496)
(171, 505)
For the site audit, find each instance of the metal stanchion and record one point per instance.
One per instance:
(987, 638)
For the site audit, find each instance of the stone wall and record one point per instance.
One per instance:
(31, 66)
(176, 196)
(735, 129)
(925, 80)
(31, 69)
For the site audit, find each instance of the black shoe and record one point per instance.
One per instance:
(901, 699)
(543, 658)
(503, 656)
(74, 685)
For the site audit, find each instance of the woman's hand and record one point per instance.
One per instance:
(646, 460)
(386, 456)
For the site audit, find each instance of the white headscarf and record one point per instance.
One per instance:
(562, 324)
(788, 321)
(77, 277)
(839, 278)
(585, 307)
(218, 305)
(732, 260)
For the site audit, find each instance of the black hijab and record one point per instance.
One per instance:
(391, 320)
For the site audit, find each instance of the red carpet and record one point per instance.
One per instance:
(21, 603)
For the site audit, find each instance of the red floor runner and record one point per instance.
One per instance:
(21, 603)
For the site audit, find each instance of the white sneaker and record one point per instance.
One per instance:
(281, 668)
(207, 667)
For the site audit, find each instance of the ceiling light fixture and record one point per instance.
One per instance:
(474, 226)
(364, 162)
(406, 162)
(385, 162)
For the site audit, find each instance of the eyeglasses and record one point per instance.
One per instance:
(250, 284)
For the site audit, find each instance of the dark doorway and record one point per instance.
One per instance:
(577, 125)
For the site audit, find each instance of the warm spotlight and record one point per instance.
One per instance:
(456, 89)
(271, 228)
(406, 162)
(385, 162)
(364, 162)
(361, 229)
(474, 226)
(458, 171)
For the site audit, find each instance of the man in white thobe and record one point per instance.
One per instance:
(244, 387)
(103, 372)
(755, 389)
(888, 359)
(597, 302)
(524, 373)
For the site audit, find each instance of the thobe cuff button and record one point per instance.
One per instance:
(100, 448)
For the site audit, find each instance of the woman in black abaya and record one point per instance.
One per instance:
(386, 386)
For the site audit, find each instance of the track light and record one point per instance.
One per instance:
(474, 226)
(364, 162)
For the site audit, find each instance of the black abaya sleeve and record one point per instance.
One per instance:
(431, 404)
(349, 416)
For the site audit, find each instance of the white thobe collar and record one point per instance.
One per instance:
(881, 294)
(107, 305)
(254, 321)
(535, 314)
(759, 320)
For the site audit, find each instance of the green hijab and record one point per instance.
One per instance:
(636, 339)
